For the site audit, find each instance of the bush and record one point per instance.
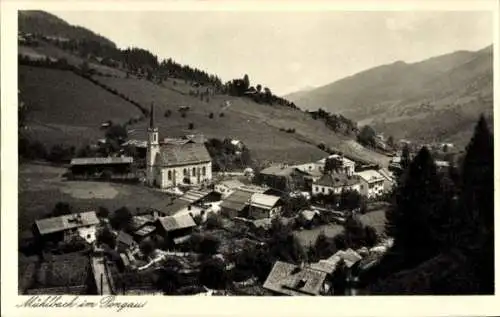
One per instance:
(103, 212)
(191, 126)
(121, 219)
(214, 221)
(105, 236)
(221, 114)
(205, 244)
(60, 209)
(213, 274)
(211, 115)
(168, 113)
(183, 115)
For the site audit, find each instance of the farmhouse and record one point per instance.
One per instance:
(64, 228)
(173, 164)
(372, 183)
(334, 183)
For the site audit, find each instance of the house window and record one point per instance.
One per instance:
(169, 175)
(323, 190)
(88, 236)
(204, 170)
(185, 172)
(194, 171)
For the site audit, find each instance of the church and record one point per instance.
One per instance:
(176, 162)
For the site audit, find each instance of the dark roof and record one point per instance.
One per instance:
(125, 238)
(290, 279)
(172, 223)
(101, 160)
(183, 154)
(337, 180)
(65, 222)
(193, 195)
(237, 200)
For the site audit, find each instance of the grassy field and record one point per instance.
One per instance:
(41, 187)
(375, 219)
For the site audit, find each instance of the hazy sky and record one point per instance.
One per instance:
(289, 51)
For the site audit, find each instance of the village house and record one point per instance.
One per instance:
(372, 183)
(389, 179)
(125, 241)
(296, 280)
(66, 227)
(175, 229)
(284, 178)
(172, 164)
(334, 183)
(263, 206)
(227, 187)
(235, 204)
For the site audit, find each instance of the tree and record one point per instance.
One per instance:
(147, 246)
(121, 219)
(417, 218)
(61, 208)
(102, 212)
(475, 223)
(204, 243)
(105, 236)
(350, 199)
(405, 157)
(246, 82)
(211, 115)
(116, 133)
(259, 88)
(367, 136)
(221, 114)
(333, 164)
(213, 274)
(324, 247)
(214, 221)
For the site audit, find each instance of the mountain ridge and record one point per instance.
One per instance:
(411, 91)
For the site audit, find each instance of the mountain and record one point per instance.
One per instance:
(436, 99)
(67, 107)
(43, 23)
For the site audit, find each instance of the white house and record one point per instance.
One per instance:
(334, 183)
(372, 183)
(227, 187)
(176, 163)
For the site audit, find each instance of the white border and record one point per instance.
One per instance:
(219, 306)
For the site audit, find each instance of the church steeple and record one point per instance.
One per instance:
(152, 117)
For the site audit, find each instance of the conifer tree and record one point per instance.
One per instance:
(416, 220)
(475, 217)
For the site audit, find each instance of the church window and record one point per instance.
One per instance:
(185, 172)
(194, 171)
(204, 170)
(169, 175)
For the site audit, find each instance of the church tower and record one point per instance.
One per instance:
(152, 150)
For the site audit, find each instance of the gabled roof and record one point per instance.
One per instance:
(337, 180)
(66, 222)
(388, 175)
(370, 176)
(290, 279)
(173, 223)
(263, 201)
(231, 183)
(183, 154)
(101, 160)
(349, 256)
(278, 170)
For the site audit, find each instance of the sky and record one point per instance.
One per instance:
(291, 51)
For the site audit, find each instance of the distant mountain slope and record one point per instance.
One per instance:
(40, 22)
(436, 98)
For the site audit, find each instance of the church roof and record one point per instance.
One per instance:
(183, 154)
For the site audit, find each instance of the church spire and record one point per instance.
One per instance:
(152, 117)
